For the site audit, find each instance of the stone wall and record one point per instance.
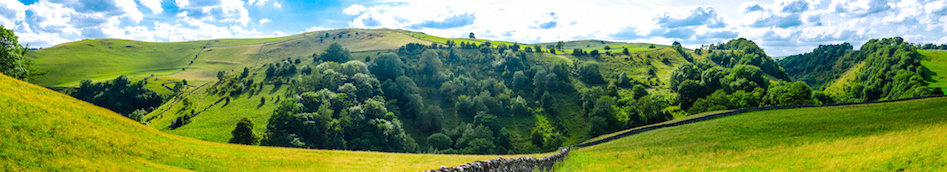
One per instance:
(526, 164)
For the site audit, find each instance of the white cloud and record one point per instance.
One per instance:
(11, 11)
(182, 3)
(215, 11)
(264, 20)
(154, 5)
(277, 4)
(316, 28)
(354, 9)
(278, 33)
(260, 2)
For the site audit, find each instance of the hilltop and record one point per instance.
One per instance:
(196, 61)
(44, 130)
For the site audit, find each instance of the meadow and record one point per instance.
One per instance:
(936, 61)
(105, 59)
(44, 130)
(893, 136)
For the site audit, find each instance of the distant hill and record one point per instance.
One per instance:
(43, 130)
(196, 61)
(823, 64)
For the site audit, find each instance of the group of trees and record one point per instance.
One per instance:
(119, 95)
(338, 106)
(745, 52)
(458, 97)
(931, 46)
(823, 64)
(892, 70)
(694, 83)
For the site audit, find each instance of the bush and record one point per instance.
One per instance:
(243, 133)
(439, 141)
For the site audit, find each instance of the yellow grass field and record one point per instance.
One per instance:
(42, 130)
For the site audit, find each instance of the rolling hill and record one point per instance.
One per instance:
(893, 136)
(196, 61)
(936, 62)
(213, 118)
(43, 130)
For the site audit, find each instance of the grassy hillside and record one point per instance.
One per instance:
(104, 59)
(616, 47)
(936, 61)
(47, 131)
(895, 136)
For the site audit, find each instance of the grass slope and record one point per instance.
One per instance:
(894, 136)
(43, 130)
(936, 61)
(616, 47)
(104, 59)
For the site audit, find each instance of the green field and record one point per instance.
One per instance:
(44, 130)
(936, 61)
(105, 59)
(894, 136)
(616, 47)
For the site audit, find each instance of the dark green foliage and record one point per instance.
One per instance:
(590, 72)
(788, 94)
(638, 91)
(520, 81)
(745, 52)
(387, 66)
(270, 71)
(432, 119)
(439, 141)
(745, 77)
(431, 63)
(243, 133)
(822, 98)
(536, 137)
(548, 102)
(651, 46)
(138, 115)
(602, 117)
(336, 53)
(680, 50)
(13, 62)
(652, 107)
(823, 64)
(892, 70)
(683, 72)
(119, 95)
(626, 52)
(356, 118)
(519, 106)
(246, 72)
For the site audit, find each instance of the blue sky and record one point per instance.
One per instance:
(781, 27)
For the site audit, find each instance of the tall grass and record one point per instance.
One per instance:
(42, 130)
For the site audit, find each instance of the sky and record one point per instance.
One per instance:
(780, 27)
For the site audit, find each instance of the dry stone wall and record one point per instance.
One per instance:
(526, 164)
